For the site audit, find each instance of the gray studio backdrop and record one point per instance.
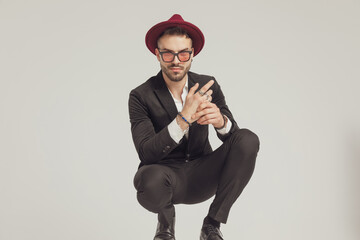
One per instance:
(290, 73)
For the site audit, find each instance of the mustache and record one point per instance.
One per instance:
(175, 65)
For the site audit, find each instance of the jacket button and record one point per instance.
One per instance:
(186, 160)
(168, 147)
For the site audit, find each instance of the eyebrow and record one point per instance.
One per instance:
(165, 49)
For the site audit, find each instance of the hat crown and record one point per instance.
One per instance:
(176, 20)
(176, 17)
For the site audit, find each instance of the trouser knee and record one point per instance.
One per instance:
(245, 140)
(153, 185)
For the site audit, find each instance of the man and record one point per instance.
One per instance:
(170, 116)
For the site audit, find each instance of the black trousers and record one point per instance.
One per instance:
(225, 172)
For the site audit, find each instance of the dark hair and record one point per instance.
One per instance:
(177, 31)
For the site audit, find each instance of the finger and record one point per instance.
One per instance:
(193, 89)
(211, 108)
(208, 119)
(208, 122)
(203, 105)
(208, 93)
(207, 86)
(207, 97)
(211, 118)
(206, 104)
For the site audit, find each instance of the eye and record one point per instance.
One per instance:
(183, 54)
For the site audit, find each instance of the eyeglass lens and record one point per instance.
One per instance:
(182, 56)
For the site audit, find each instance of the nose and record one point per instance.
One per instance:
(176, 59)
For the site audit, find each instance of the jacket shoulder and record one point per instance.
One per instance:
(145, 86)
(200, 78)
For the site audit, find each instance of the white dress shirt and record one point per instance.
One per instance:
(175, 131)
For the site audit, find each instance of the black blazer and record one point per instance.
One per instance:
(151, 109)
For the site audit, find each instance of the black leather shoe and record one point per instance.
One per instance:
(164, 232)
(210, 232)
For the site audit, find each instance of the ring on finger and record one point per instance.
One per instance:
(201, 93)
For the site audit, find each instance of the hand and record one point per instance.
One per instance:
(209, 113)
(193, 100)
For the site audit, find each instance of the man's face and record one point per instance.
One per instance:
(175, 70)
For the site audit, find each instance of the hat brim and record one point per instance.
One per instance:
(194, 32)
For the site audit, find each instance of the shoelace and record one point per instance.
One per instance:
(212, 230)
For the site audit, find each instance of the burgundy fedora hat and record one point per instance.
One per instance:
(194, 32)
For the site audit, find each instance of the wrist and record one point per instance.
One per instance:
(225, 119)
(183, 123)
(186, 115)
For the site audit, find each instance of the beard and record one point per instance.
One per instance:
(175, 76)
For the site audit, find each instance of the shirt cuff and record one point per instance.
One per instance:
(175, 131)
(226, 129)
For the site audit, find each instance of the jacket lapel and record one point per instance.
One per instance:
(164, 96)
(191, 83)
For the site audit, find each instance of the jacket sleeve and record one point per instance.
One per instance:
(219, 100)
(150, 146)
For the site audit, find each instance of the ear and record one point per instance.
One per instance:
(157, 53)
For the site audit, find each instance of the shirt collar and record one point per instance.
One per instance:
(185, 89)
